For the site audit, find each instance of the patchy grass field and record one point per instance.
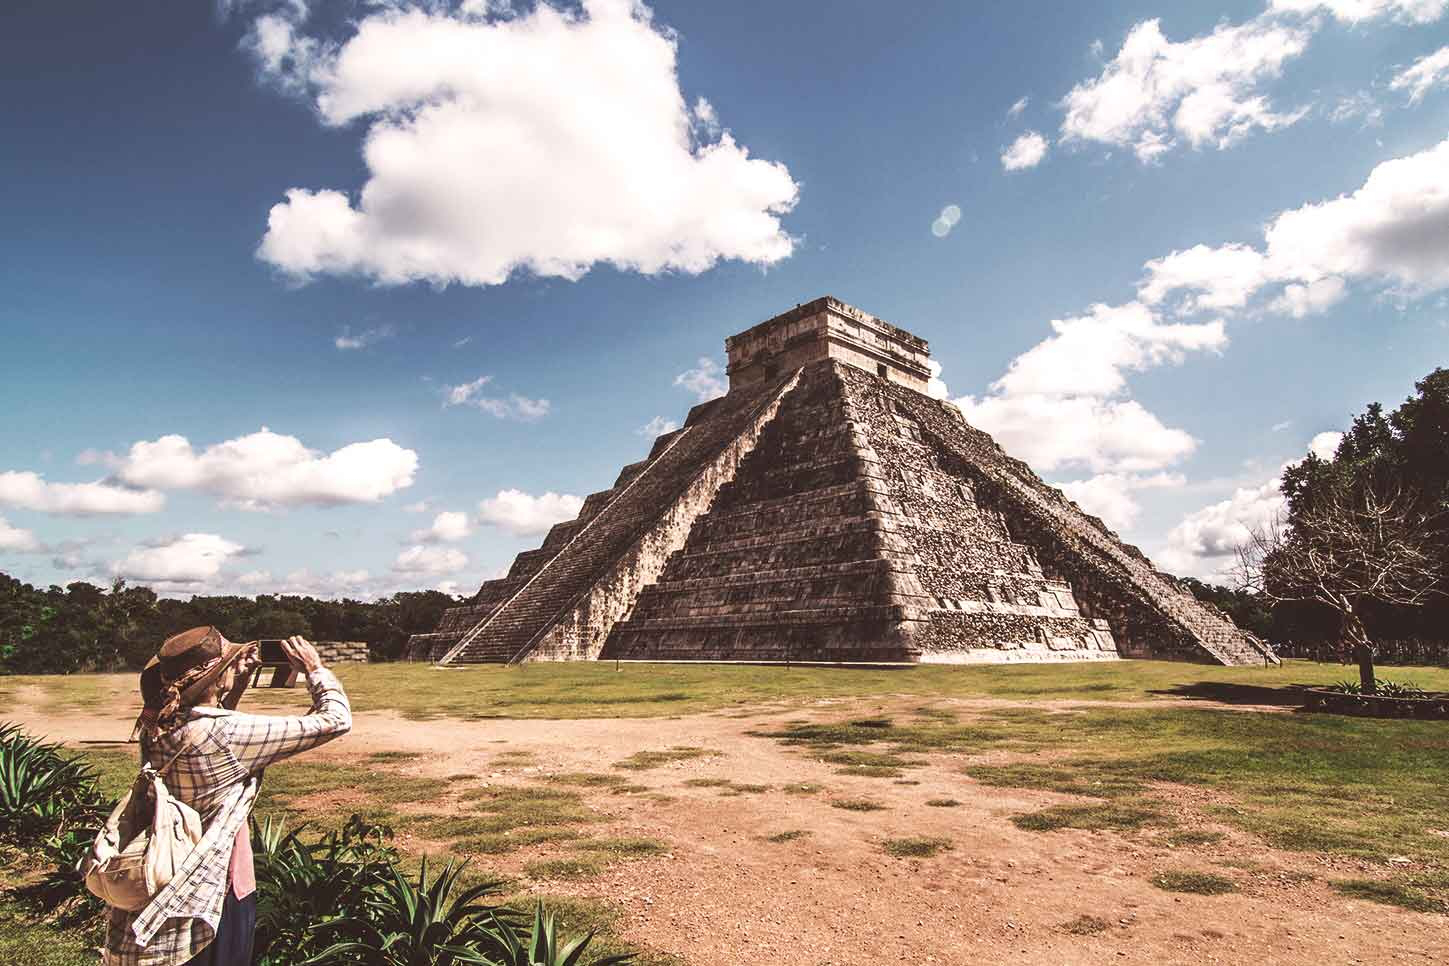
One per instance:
(597, 690)
(1111, 805)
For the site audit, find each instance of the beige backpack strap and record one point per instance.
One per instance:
(161, 772)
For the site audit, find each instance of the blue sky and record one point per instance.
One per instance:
(456, 256)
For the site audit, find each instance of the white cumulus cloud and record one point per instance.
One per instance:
(31, 491)
(1205, 542)
(1026, 151)
(1358, 11)
(264, 470)
(450, 526)
(706, 380)
(1109, 495)
(16, 540)
(1392, 231)
(523, 514)
(1205, 90)
(1062, 405)
(549, 142)
(192, 558)
(422, 559)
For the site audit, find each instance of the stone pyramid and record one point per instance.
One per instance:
(827, 510)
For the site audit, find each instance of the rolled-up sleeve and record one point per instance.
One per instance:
(259, 740)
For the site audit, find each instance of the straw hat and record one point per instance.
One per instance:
(197, 657)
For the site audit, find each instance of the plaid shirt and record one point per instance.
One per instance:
(218, 775)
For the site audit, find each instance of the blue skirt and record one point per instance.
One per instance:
(233, 943)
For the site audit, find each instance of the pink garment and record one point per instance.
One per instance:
(243, 873)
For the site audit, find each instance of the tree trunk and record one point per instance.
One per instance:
(1356, 642)
(1363, 653)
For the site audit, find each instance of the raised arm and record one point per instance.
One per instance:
(259, 740)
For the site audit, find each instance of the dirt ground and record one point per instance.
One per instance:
(724, 896)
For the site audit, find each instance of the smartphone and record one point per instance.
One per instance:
(271, 653)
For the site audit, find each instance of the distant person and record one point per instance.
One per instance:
(206, 915)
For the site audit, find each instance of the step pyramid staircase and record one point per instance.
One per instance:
(827, 510)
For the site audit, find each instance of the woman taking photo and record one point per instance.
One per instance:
(211, 757)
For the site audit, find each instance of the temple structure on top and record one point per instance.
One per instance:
(827, 509)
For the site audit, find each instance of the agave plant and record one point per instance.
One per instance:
(543, 948)
(50, 806)
(422, 922)
(46, 798)
(301, 886)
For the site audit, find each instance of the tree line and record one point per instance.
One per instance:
(82, 627)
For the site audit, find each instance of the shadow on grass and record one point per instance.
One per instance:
(1226, 692)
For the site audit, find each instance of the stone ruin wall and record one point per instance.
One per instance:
(342, 652)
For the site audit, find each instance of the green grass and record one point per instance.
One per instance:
(1115, 816)
(25, 940)
(1198, 883)
(1391, 894)
(387, 756)
(572, 867)
(1326, 784)
(632, 847)
(646, 760)
(588, 690)
(586, 779)
(1193, 837)
(918, 847)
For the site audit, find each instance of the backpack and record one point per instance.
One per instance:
(145, 840)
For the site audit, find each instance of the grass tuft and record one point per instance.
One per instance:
(789, 835)
(1117, 817)
(857, 805)
(917, 847)
(1198, 883)
(586, 779)
(1390, 894)
(1085, 925)
(625, 846)
(645, 760)
(942, 802)
(573, 867)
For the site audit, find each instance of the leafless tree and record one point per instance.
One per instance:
(1345, 552)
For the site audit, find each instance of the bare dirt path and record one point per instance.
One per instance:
(725, 896)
